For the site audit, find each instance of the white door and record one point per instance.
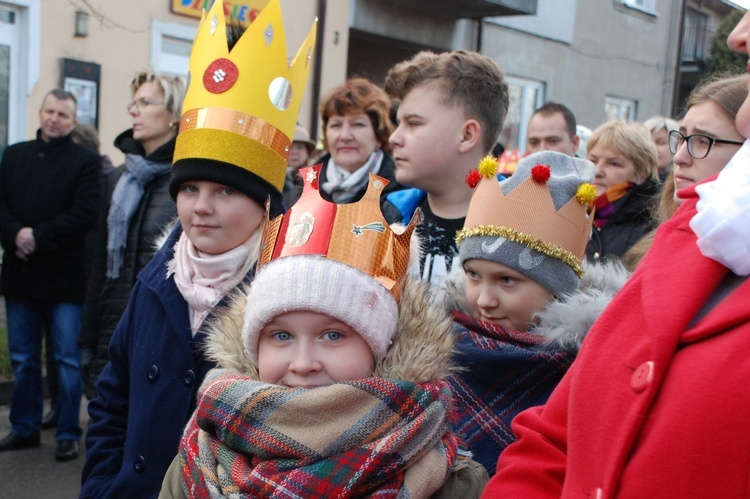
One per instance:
(11, 96)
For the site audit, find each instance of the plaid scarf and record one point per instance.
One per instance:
(352, 439)
(605, 203)
(504, 372)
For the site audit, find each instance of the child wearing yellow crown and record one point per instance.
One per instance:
(522, 303)
(324, 386)
(229, 162)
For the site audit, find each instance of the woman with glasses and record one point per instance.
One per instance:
(137, 208)
(702, 146)
(625, 179)
(707, 137)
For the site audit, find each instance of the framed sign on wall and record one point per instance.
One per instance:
(82, 80)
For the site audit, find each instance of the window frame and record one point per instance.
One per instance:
(621, 103)
(162, 62)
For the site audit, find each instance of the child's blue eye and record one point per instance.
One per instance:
(228, 191)
(508, 281)
(472, 275)
(332, 335)
(282, 336)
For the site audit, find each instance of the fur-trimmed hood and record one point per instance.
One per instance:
(566, 320)
(421, 351)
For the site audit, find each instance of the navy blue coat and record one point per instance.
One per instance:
(146, 393)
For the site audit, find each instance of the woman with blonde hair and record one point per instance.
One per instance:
(626, 183)
(136, 209)
(660, 126)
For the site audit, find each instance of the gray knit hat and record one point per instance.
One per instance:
(535, 222)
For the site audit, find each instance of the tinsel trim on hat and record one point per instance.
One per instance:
(519, 237)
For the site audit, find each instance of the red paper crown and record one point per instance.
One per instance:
(355, 234)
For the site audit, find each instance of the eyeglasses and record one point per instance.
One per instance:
(698, 145)
(142, 104)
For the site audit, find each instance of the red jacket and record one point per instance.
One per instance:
(652, 407)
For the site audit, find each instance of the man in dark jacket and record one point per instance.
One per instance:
(49, 196)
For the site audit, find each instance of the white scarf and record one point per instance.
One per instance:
(722, 223)
(204, 279)
(343, 185)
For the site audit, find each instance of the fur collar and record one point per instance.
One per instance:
(564, 322)
(421, 351)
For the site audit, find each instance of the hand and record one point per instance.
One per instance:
(21, 256)
(25, 242)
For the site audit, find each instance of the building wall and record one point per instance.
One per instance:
(615, 51)
(121, 41)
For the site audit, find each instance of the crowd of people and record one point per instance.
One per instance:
(252, 313)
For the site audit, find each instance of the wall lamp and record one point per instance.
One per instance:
(82, 23)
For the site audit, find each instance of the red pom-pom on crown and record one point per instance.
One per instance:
(473, 178)
(540, 174)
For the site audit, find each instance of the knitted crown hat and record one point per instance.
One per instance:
(318, 284)
(535, 222)
(241, 106)
(343, 261)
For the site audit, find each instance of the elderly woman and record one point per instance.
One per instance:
(625, 179)
(659, 126)
(356, 126)
(137, 208)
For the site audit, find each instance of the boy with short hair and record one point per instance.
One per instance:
(452, 109)
(527, 304)
(324, 386)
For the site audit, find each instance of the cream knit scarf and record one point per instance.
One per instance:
(204, 279)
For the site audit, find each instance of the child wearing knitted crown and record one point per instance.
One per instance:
(325, 387)
(523, 302)
(229, 164)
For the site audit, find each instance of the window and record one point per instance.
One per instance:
(526, 96)
(617, 108)
(696, 37)
(170, 50)
(644, 5)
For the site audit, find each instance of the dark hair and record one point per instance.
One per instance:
(359, 95)
(472, 80)
(60, 94)
(551, 108)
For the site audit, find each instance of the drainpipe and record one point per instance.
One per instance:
(317, 70)
(678, 64)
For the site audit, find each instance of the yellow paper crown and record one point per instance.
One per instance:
(241, 106)
(355, 234)
(527, 215)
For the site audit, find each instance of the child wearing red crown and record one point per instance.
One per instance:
(147, 391)
(324, 386)
(522, 303)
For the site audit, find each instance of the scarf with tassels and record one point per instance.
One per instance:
(351, 439)
(126, 197)
(605, 203)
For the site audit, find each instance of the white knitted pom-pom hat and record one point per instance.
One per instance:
(318, 284)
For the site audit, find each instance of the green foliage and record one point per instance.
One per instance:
(723, 59)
